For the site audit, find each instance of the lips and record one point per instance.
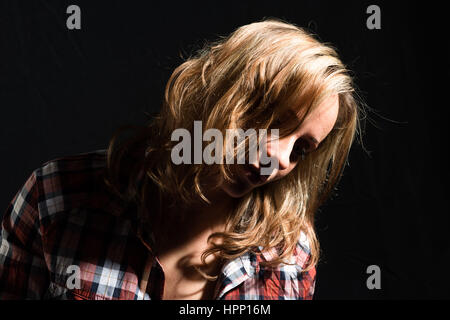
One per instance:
(253, 175)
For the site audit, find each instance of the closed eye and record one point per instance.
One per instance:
(300, 149)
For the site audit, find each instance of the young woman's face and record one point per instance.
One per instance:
(307, 137)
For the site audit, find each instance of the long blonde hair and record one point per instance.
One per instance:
(247, 78)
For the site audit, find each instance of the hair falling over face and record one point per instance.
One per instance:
(247, 79)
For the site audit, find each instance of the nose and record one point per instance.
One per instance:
(281, 149)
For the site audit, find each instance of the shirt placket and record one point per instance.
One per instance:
(152, 280)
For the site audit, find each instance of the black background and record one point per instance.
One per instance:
(65, 91)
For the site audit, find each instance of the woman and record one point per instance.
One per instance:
(161, 229)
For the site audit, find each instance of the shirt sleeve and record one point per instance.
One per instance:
(23, 271)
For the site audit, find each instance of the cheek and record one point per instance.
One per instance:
(238, 188)
(235, 190)
(283, 173)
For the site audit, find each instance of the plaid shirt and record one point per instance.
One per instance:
(65, 218)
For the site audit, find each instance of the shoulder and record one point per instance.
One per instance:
(299, 258)
(63, 184)
(64, 216)
(75, 162)
(50, 191)
(290, 280)
(248, 277)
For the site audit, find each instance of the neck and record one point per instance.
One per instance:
(181, 225)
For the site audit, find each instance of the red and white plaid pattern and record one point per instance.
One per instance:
(64, 216)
